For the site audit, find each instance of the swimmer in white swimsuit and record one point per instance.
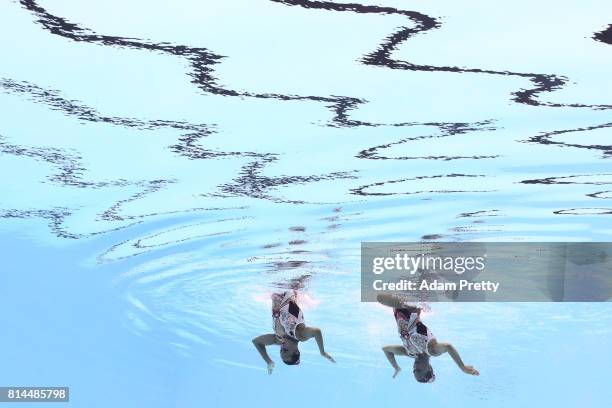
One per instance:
(289, 330)
(418, 341)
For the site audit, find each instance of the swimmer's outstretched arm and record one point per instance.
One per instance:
(391, 352)
(441, 348)
(310, 332)
(260, 343)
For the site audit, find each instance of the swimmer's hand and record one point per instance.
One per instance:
(470, 370)
(327, 356)
(397, 371)
(270, 367)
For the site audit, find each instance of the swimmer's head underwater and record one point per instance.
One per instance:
(422, 369)
(289, 351)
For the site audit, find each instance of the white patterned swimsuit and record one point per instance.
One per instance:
(415, 335)
(286, 314)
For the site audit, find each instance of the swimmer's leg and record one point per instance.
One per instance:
(390, 353)
(260, 343)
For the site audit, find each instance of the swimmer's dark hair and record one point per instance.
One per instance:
(425, 378)
(291, 359)
(422, 370)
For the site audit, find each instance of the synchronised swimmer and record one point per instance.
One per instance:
(435, 285)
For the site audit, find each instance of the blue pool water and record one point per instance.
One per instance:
(167, 165)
